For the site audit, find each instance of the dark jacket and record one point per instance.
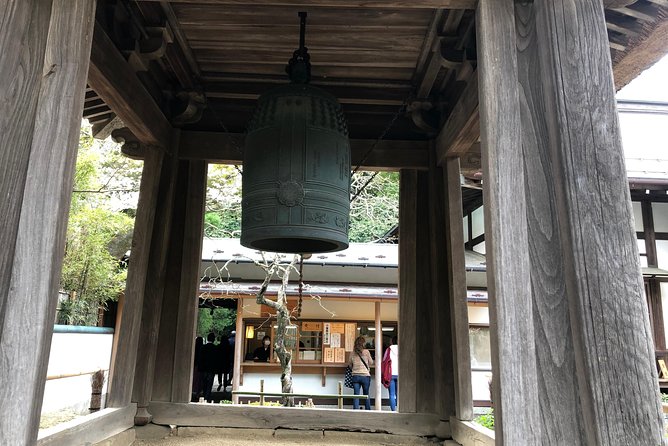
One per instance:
(208, 358)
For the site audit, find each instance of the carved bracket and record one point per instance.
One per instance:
(153, 47)
(131, 146)
(189, 107)
(420, 113)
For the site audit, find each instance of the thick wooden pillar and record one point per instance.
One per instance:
(239, 340)
(126, 337)
(461, 355)
(514, 386)
(184, 348)
(44, 52)
(153, 292)
(572, 349)
(378, 345)
(427, 341)
(425, 350)
(408, 191)
(441, 318)
(172, 379)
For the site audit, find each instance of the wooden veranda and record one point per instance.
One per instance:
(518, 92)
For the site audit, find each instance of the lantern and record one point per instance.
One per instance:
(296, 177)
(290, 340)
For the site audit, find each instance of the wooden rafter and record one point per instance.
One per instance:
(115, 82)
(397, 4)
(462, 128)
(386, 155)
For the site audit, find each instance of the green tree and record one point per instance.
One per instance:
(375, 207)
(222, 321)
(89, 268)
(223, 202)
(373, 212)
(98, 234)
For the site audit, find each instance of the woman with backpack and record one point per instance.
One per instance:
(390, 369)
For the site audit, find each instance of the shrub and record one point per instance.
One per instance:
(486, 420)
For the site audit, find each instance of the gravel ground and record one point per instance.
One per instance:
(184, 436)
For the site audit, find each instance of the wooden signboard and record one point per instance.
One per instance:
(328, 355)
(311, 326)
(351, 333)
(338, 327)
(326, 331)
(335, 340)
(339, 355)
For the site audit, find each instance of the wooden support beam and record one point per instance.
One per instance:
(238, 350)
(103, 427)
(570, 127)
(462, 128)
(515, 390)
(27, 27)
(184, 347)
(408, 192)
(176, 339)
(444, 388)
(153, 292)
(394, 4)
(44, 48)
(126, 336)
(378, 345)
(225, 148)
(461, 357)
(563, 325)
(300, 419)
(117, 84)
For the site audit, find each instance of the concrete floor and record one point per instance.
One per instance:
(205, 436)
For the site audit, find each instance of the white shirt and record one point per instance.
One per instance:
(394, 357)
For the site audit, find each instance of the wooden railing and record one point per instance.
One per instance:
(262, 394)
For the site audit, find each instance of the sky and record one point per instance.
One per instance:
(651, 85)
(645, 135)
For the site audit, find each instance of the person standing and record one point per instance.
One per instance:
(392, 355)
(208, 365)
(360, 363)
(224, 362)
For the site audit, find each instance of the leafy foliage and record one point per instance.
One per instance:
(486, 420)
(222, 321)
(374, 211)
(223, 204)
(97, 234)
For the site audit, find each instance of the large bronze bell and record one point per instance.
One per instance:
(296, 176)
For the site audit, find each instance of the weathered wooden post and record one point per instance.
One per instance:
(459, 317)
(175, 347)
(44, 56)
(378, 345)
(238, 349)
(262, 392)
(126, 336)
(340, 398)
(571, 346)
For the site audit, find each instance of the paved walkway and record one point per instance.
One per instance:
(204, 436)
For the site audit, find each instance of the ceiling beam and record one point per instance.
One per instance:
(225, 148)
(395, 4)
(117, 84)
(462, 128)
